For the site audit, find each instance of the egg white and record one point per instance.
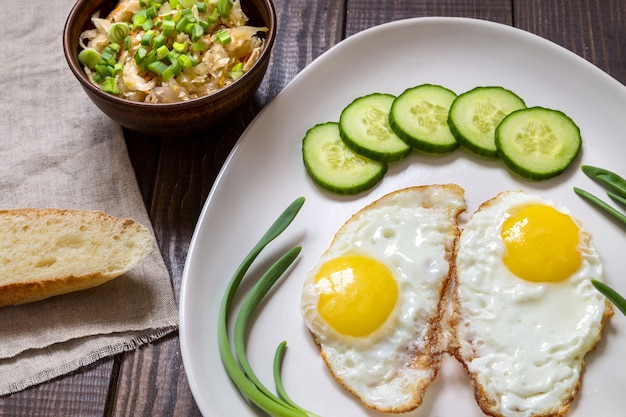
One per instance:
(522, 342)
(412, 232)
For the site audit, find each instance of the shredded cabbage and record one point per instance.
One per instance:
(211, 69)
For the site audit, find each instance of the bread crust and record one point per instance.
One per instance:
(28, 292)
(42, 249)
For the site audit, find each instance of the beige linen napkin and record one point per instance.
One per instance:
(58, 150)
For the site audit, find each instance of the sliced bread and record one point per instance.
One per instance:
(48, 252)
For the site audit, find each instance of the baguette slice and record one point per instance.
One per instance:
(48, 252)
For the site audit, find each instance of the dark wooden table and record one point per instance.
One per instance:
(176, 175)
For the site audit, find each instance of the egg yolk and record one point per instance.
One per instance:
(542, 244)
(357, 294)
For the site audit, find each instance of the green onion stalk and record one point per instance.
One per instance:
(617, 191)
(236, 363)
(611, 294)
(615, 183)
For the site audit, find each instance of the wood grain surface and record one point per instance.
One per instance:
(176, 174)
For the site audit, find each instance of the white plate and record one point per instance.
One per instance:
(265, 173)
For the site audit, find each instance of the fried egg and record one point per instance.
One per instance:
(526, 312)
(374, 301)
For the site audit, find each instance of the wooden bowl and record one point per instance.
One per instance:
(169, 119)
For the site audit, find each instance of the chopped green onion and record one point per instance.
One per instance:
(176, 16)
(212, 18)
(156, 33)
(150, 58)
(147, 25)
(223, 37)
(139, 19)
(600, 203)
(197, 32)
(109, 85)
(152, 11)
(180, 47)
(188, 13)
(102, 69)
(201, 6)
(224, 7)
(109, 55)
(175, 66)
(157, 67)
(182, 24)
(173, 55)
(185, 62)
(89, 57)
(168, 27)
(168, 74)
(146, 38)
(237, 71)
(158, 41)
(199, 46)
(162, 52)
(118, 31)
(141, 54)
(607, 178)
(613, 296)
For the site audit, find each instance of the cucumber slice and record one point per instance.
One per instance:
(334, 166)
(475, 114)
(538, 143)
(364, 127)
(419, 116)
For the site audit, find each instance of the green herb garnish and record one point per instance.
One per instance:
(248, 308)
(605, 177)
(611, 294)
(118, 31)
(185, 24)
(224, 7)
(611, 180)
(236, 364)
(89, 57)
(278, 359)
(602, 204)
(617, 185)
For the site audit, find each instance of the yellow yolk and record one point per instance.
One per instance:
(542, 244)
(357, 294)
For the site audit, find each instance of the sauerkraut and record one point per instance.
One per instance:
(165, 51)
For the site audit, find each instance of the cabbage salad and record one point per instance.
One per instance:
(165, 51)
